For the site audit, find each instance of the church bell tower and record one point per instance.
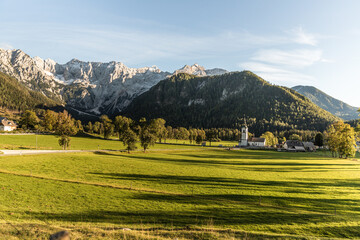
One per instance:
(244, 136)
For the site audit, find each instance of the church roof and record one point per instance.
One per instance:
(254, 139)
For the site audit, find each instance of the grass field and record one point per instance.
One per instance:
(189, 193)
(77, 143)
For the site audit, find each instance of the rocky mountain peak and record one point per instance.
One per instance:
(194, 69)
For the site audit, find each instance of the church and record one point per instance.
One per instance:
(253, 142)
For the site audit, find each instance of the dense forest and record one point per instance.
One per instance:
(15, 96)
(222, 102)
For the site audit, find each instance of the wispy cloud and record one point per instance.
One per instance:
(5, 46)
(285, 64)
(134, 46)
(299, 35)
(293, 58)
(278, 75)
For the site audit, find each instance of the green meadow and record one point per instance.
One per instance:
(14, 142)
(173, 191)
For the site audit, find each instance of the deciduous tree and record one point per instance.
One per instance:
(29, 120)
(271, 140)
(49, 120)
(147, 139)
(65, 127)
(89, 127)
(122, 124)
(157, 127)
(129, 139)
(341, 139)
(108, 127)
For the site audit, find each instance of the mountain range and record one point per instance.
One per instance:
(189, 96)
(90, 86)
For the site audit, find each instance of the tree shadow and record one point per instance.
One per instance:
(214, 161)
(309, 186)
(217, 217)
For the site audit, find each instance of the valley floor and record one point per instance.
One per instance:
(173, 191)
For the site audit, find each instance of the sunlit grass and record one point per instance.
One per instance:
(77, 143)
(259, 192)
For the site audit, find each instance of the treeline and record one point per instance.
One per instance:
(45, 120)
(147, 132)
(107, 128)
(340, 137)
(62, 124)
(121, 125)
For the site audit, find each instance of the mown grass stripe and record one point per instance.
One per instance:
(91, 183)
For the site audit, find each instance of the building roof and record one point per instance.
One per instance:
(294, 143)
(6, 122)
(309, 144)
(254, 139)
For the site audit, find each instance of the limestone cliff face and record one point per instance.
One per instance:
(24, 68)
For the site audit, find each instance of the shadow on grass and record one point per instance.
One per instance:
(200, 216)
(256, 217)
(217, 160)
(318, 206)
(305, 186)
(244, 162)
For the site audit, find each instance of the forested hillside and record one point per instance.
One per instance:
(333, 105)
(15, 96)
(220, 101)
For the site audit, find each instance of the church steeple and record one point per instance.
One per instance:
(244, 134)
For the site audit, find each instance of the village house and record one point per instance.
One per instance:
(7, 125)
(309, 146)
(294, 146)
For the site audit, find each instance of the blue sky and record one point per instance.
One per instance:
(286, 42)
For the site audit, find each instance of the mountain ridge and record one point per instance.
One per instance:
(328, 103)
(219, 101)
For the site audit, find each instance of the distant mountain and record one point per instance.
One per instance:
(330, 104)
(219, 101)
(92, 87)
(15, 96)
(198, 70)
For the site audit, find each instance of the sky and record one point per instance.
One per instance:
(286, 42)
